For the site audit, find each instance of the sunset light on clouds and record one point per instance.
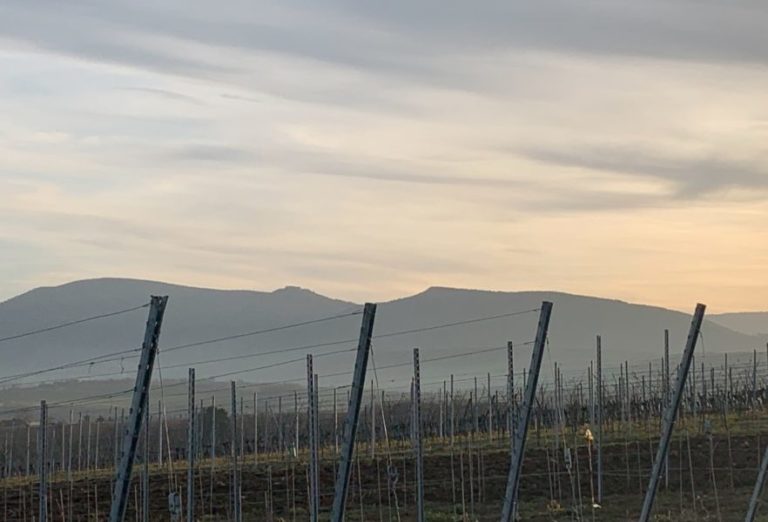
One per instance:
(368, 151)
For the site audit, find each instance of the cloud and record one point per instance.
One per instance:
(426, 42)
(169, 95)
(210, 153)
(692, 176)
(259, 144)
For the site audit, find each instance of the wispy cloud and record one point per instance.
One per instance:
(369, 149)
(692, 176)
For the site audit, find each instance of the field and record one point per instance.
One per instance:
(464, 480)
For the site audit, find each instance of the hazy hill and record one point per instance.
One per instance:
(630, 331)
(752, 323)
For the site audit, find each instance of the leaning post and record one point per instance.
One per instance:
(138, 405)
(671, 412)
(516, 465)
(353, 414)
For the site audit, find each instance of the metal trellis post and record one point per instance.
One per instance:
(138, 405)
(418, 448)
(233, 454)
(599, 420)
(42, 462)
(671, 412)
(191, 447)
(313, 504)
(753, 501)
(516, 465)
(353, 414)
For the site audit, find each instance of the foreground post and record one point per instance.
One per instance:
(353, 413)
(752, 511)
(510, 497)
(671, 412)
(42, 470)
(138, 405)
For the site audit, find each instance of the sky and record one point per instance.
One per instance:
(368, 150)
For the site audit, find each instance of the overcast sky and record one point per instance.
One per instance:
(368, 150)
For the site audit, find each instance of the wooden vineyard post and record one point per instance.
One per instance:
(671, 412)
(510, 497)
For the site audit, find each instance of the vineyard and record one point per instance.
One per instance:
(437, 450)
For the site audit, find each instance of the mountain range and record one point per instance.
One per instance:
(632, 332)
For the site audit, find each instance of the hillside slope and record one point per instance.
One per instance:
(629, 331)
(751, 323)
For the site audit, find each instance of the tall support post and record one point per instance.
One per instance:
(138, 405)
(599, 416)
(353, 414)
(418, 448)
(313, 501)
(42, 463)
(191, 432)
(671, 412)
(516, 465)
(233, 455)
(755, 499)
